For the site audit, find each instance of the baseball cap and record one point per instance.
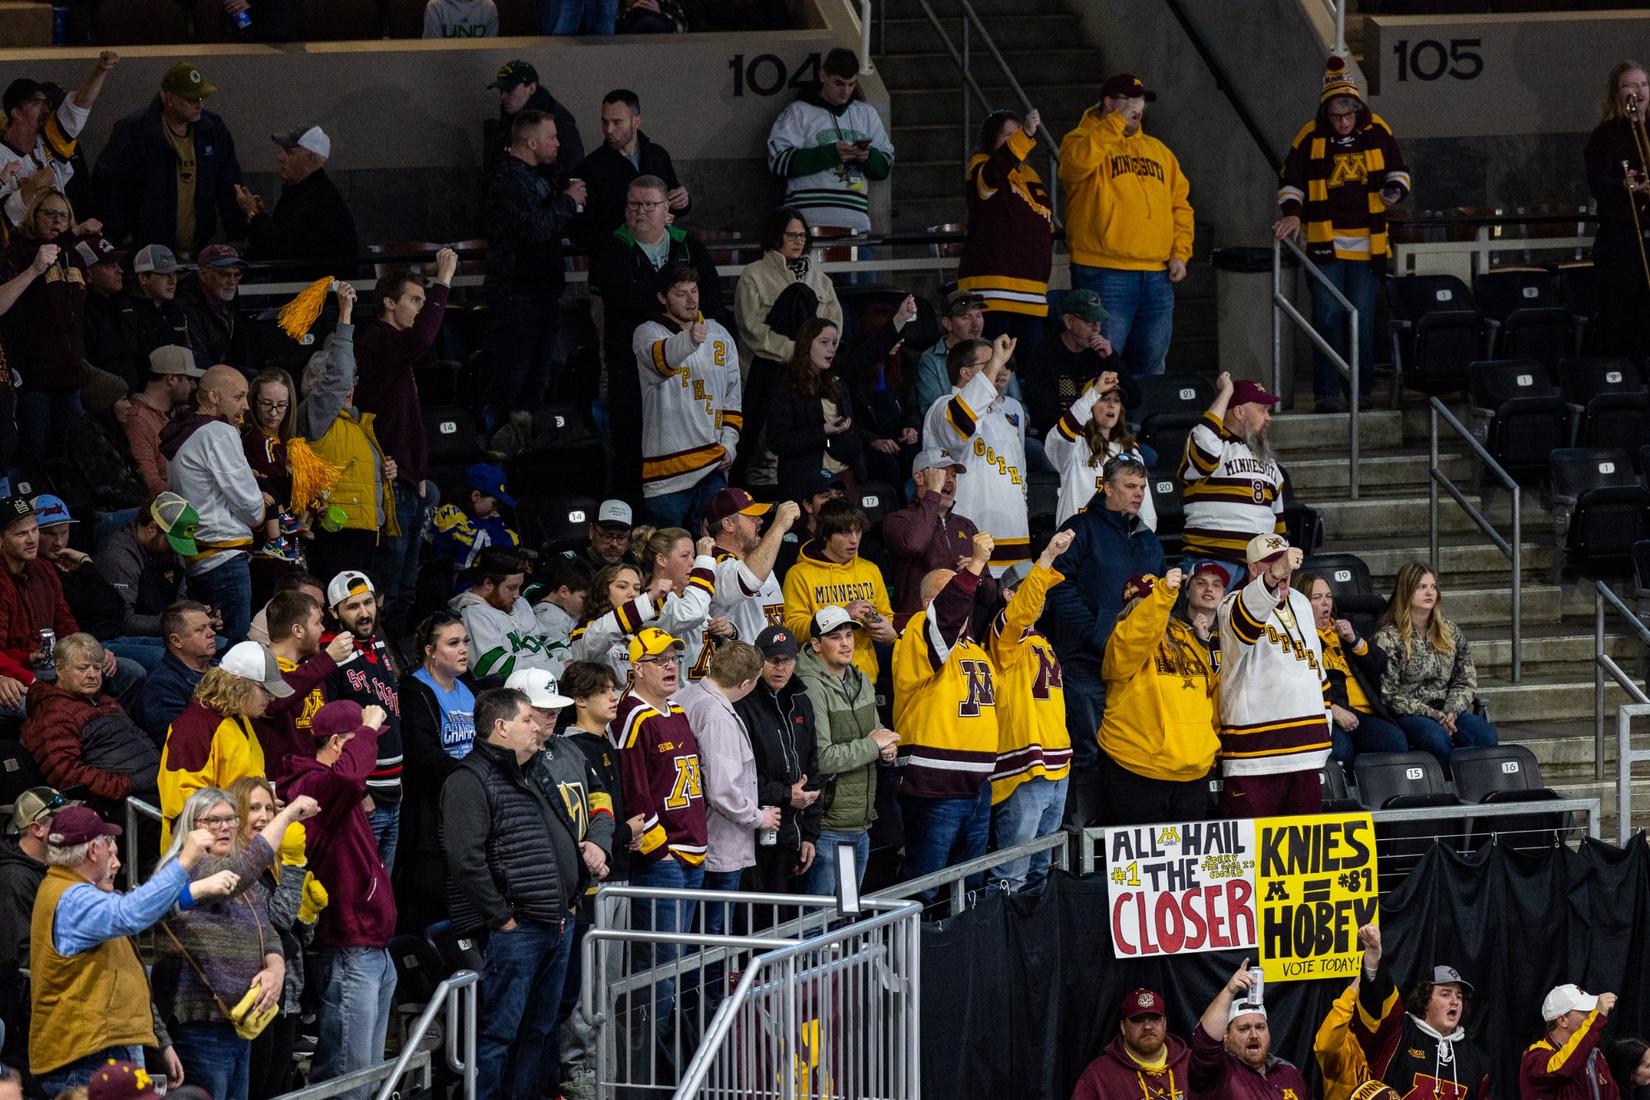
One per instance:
(347, 584)
(1138, 585)
(1241, 1007)
(1265, 548)
(178, 518)
(121, 1081)
(513, 74)
(540, 687)
(220, 255)
(488, 479)
(818, 482)
(156, 259)
(77, 825)
(173, 359)
(254, 661)
(936, 456)
(959, 302)
(51, 511)
(19, 92)
(1084, 305)
(650, 641)
(776, 641)
(827, 619)
(1142, 1002)
(36, 803)
(1448, 975)
(94, 248)
(13, 509)
(1212, 568)
(1014, 575)
(1566, 998)
(184, 79)
(1126, 84)
(338, 716)
(1247, 392)
(615, 513)
(730, 502)
(312, 138)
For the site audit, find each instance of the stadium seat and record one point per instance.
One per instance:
(1609, 405)
(456, 952)
(1042, 504)
(1578, 285)
(551, 524)
(582, 464)
(877, 499)
(1171, 511)
(1301, 521)
(1337, 799)
(1526, 315)
(1356, 597)
(1436, 331)
(1170, 407)
(17, 770)
(1383, 776)
(418, 970)
(1483, 770)
(454, 437)
(1598, 510)
(1518, 414)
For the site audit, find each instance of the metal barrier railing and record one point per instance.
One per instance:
(955, 879)
(1605, 665)
(1283, 307)
(1626, 757)
(1514, 550)
(135, 864)
(753, 995)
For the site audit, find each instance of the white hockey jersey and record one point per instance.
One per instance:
(1068, 452)
(752, 605)
(986, 432)
(682, 616)
(502, 642)
(1271, 706)
(804, 136)
(690, 403)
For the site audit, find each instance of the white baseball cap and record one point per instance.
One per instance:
(827, 619)
(1241, 1007)
(254, 661)
(347, 584)
(1566, 998)
(616, 512)
(540, 687)
(1264, 548)
(312, 138)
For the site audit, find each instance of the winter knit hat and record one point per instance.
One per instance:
(1337, 81)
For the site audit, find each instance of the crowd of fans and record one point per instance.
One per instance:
(735, 674)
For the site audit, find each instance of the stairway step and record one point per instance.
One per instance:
(1544, 645)
(1058, 65)
(940, 105)
(1406, 469)
(1378, 429)
(1546, 697)
(1371, 515)
(1027, 31)
(1460, 556)
(1541, 603)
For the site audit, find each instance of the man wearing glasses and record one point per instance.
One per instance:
(37, 143)
(169, 171)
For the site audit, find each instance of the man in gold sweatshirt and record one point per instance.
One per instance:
(1128, 222)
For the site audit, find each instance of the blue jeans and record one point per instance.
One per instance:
(521, 984)
(1374, 734)
(686, 507)
(44, 420)
(716, 916)
(357, 993)
(1034, 810)
(227, 587)
(524, 343)
(146, 652)
(79, 1072)
(942, 832)
(395, 564)
(647, 915)
(215, 1058)
(566, 17)
(1141, 308)
(1356, 280)
(1429, 736)
(1085, 706)
(821, 877)
(386, 830)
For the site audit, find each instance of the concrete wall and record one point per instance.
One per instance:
(405, 115)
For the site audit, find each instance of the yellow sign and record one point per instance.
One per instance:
(1315, 886)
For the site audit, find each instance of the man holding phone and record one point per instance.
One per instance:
(829, 145)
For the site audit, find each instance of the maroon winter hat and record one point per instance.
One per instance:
(1126, 85)
(1138, 586)
(1142, 1002)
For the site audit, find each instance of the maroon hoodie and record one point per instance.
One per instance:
(1114, 1074)
(384, 361)
(178, 430)
(360, 908)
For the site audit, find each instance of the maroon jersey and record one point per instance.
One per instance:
(659, 771)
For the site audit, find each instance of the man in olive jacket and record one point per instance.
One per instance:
(850, 739)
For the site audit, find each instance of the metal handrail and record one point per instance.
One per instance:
(955, 876)
(866, 64)
(1626, 757)
(134, 808)
(1604, 664)
(1283, 307)
(1337, 8)
(1514, 550)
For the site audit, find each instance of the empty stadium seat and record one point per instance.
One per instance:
(1337, 799)
(453, 435)
(1356, 597)
(1609, 404)
(1526, 314)
(457, 952)
(1483, 770)
(1598, 511)
(1170, 407)
(418, 970)
(1301, 521)
(877, 499)
(17, 770)
(1383, 776)
(1518, 414)
(554, 523)
(1578, 285)
(1171, 511)
(1436, 331)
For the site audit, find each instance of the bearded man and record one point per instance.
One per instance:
(1234, 486)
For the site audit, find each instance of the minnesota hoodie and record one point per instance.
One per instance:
(1126, 203)
(816, 581)
(206, 465)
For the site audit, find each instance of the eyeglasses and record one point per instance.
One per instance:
(665, 660)
(220, 822)
(273, 406)
(55, 215)
(644, 207)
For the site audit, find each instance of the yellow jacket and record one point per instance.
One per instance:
(203, 749)
(816, 581)
(362, 490)
(1340, 1058)
(1032, 739)
(1126, 204)
(1160, 696)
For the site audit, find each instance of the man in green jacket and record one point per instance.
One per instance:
(850, 739)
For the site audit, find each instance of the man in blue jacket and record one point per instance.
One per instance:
(1110, 545)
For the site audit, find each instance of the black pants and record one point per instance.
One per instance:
(1125, 798)
(1623, 294)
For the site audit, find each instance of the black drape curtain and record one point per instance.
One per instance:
(1019, 994)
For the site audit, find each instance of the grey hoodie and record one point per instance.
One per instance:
(210, 471)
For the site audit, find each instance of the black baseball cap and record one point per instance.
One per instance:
(20, 91)
(513, 74)
(776, 641)
(13, 509)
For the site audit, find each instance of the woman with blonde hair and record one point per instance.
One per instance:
(1617, 177)
(1429, 680)
(604, 635)
(219, 966)
(1087, 436)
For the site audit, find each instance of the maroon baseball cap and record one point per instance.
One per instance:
(1126, 85)
(730, 502)
(1142, 1002)
(97, 249)
(338, 716)
(1210, 568)
(1141, 584)
(1245, 392)
(78, 825)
